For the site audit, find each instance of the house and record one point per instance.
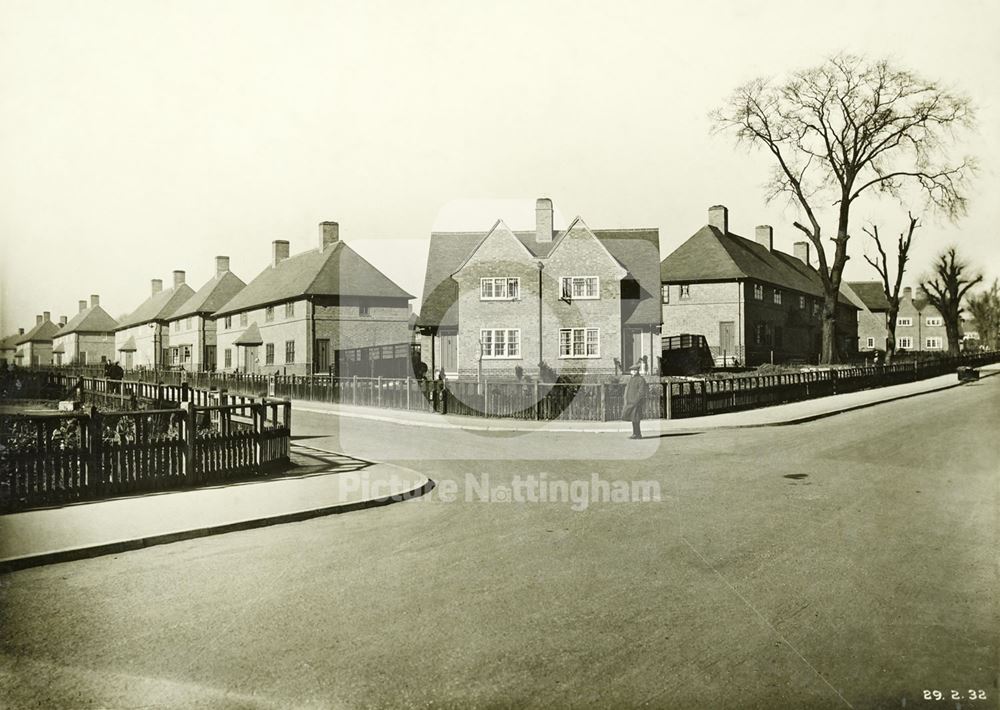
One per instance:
(873, 313)
(919, 325)
(88, 338)
(502, 301)
(142, 338)
(192, 327)
(8, 347)
(34, 348)
(300, 312)
(751, 302)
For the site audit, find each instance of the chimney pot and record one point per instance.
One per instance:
(83, 306)
(329, 234)
(279, 251)
(801, 252)
(221, 265)
(157, 285)
(543, 219)
(765, 236)
(178, 278)
(718, 217)
(95, 300)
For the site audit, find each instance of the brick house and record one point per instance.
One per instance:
(88, 338)
(8, 347)
(302, 310)
(749, 300)
(873, 313)
(581, 300)
(142, 338)
(192, 326)
(919, 325)
(34, 348)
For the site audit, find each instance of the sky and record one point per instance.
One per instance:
(141, 137)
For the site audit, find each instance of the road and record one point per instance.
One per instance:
(847, 562)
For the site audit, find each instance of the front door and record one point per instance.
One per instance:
(322, 358)
(209, 363)
(449, 353)
(250, 359)
(727, 340)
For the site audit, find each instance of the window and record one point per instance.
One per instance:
(777, 297)
(187, 324)
(500, 343)
(579, 342)
(932, 321)
(762, 334)
(289, 351)
(665, 293)
(802, 303)
(933, 343)
(269, 354)
(815, 308)
(186, 353)
(177, 326)
(906, 322)
(904, 343)
(290, 309)
(228, 322)
(581, 287)
(499, 288)
(685, 290)
(243, 319)
(364, 310)
(870, 343)
(269, 314)
(228, 357)
(758, 292)
(174, 355)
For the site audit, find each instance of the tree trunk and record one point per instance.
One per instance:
(951, 330)
(829, 354)
(890, 341)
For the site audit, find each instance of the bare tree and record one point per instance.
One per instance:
(985, 308)
(891, 285)
(952, 279)
(845, 128)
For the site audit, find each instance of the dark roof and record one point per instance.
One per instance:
(637, 250)
(871, 294)
(159, 306)
(710, 255)
(90, 320)
(212, 296)
(250, 336)
(335, 271)
(42, 332)
(10, 342)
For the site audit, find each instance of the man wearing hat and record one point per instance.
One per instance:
(635, 397)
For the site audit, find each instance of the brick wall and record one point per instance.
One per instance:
(701, 312)
(920, 330)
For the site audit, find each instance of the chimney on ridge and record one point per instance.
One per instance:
(908, 293)
(764, 236)
(543, 219)
(20, 331)
(718, 217)
(801, 252)
(157, 286)
(47, 315)
(329, 234)
(83, 306)
(38, 320)
(178, 278)
(95, 300)
(221, 265)
(62, 320)
(279, 251)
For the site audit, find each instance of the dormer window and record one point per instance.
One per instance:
(499, 288)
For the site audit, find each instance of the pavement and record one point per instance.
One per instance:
(330, 482)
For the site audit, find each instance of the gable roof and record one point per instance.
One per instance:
(218, 291)
(10, 342)
(90, 320)
(159, 306)
(637, 250)
(41, 333)
(871, 294)
(335, 271)
(710, 255)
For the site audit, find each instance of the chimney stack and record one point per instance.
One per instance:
(801, 252)
(157, 286)
(764, 235)
(47, 315)
(62, 320)
(908, 293)
(20, 331)
(83, 306)
(543, 219)
(221, 265)
(718, 217)
(38, 320)
(178, 278)
(279, 251)
(329, 234)
(95, 300)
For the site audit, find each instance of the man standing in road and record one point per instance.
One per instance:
(635, 398)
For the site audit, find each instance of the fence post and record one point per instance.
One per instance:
(379, 385)
(407, 393)
(95, 441)
(602, 395)
(704, 396)
(833, 381)
(190, 431)
(354, 389)
(668, 400)
(287, 415)
(538, 403)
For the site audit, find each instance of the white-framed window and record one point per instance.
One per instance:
(934, 321)
(228, 357)
(665, 293)
(815, 308)
(758, 292)
(186, 353)
(364, 310)
(269, 314)
(904, 343)
(802, 303)
(177, 326)
(269, 354)
(905, 322)
(290, 309)
(581, 287)
(501, 343)
(933, 343)
(243, 319)
(289, 351)
(187, 324)
(870, 343)
(579, 342)
(777, 296)
(227, 322)
(499, 288)
(685, 290)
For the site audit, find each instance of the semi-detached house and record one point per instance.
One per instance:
(35, 347)
(142, 338)
(88, 338)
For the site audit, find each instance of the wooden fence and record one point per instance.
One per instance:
(53, 459)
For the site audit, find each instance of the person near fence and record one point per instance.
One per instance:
(115, 374)
(636, 392)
